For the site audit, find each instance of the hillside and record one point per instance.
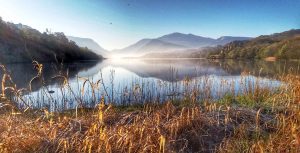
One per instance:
(227, 39)
(184, 44)
(194, 41)
(285, 45)
(145, 46)
(188, 40)
(20, 43)
(188, 53)
(90, 44)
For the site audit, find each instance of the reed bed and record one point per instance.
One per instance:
(194, 118)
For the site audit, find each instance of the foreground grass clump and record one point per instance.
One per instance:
(282, 135)
(152, 129)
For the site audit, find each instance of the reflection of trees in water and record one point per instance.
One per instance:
(260, 67)
(22, 73)
(176, 70)
(171, 70)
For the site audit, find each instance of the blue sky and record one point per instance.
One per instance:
(118, 23)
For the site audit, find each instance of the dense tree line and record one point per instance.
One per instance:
(21, 43)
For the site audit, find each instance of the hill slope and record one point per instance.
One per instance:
(188, 40)
(89, 43)
(188, 53)
(173, 43)
(194, 41)
(145, 46)
(284, 45)
(20, 43)
(227, 39)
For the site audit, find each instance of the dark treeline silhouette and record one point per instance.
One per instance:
(21, 43)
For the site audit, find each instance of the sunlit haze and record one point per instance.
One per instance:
(118, 23)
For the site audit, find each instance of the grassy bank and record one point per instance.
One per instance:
(257, 120)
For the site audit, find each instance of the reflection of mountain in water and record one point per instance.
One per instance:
(171, 70)
(166, 70)
(132, 72)
(176, 70)
(21, 74)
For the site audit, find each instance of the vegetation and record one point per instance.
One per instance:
(20, 43)
(257, 119)
(285, 45)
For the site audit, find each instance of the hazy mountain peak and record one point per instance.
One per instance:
(188, 40)
(174, 33)
(148, 45)
(224, 37)
(190, 34)
(176, 41)
(89, 43)
(144, 40)
(232, 37)
(178, 34)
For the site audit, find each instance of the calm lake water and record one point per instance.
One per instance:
(129, 81)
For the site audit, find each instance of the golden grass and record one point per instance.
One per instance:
(163, 128)
(284, 133)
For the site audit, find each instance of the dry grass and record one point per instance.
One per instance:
(170, 127)
(164, 128)
(283, 134)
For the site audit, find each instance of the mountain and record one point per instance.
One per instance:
(148, 45)
(285, 45)
(174, 42)
(194, 41)
(21, 43)
(89, 43)
(188, 53)
(227, 39)
(187, 40)
(155, 45)
(135, 47)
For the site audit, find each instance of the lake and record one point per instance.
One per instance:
(130, 81)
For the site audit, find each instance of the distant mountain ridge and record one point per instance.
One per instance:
(193, 41)
(227, 39)
(90, 44)
(284, 45)
(149, 45)
(175, 42)
(187, 40)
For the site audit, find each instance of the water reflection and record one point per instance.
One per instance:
(22, 73)
(139, 81)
